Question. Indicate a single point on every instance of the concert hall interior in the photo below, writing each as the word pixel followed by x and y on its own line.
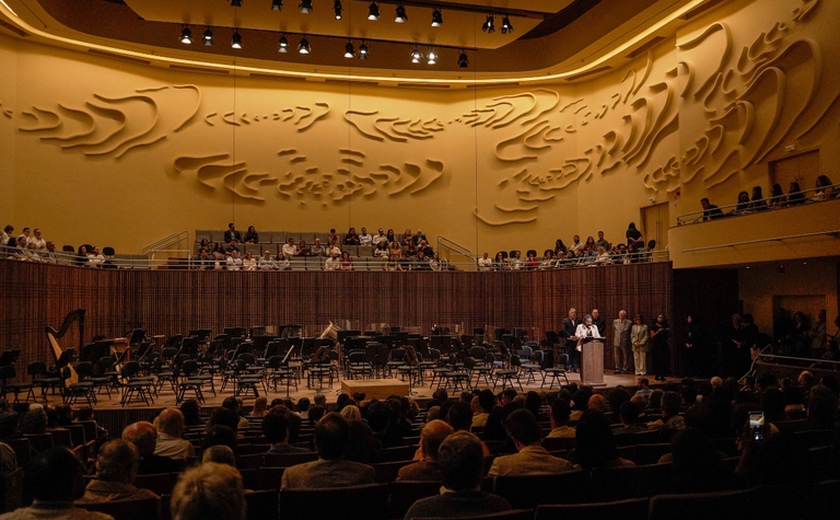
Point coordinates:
pixel 206 199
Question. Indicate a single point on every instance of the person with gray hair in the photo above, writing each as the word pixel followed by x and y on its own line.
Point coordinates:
pixel 209 492
pixel 431 437
pixel 116 470
pixel 169 442
pixel 220 455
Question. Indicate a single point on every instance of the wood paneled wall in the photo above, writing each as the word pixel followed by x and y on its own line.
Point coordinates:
pixel 171 302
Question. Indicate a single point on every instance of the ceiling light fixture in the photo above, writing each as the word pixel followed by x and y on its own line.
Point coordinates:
pixel 276 5
pixel 416 56
pixel 349 51
pixel 432 58
pixel 463 60
pixel 437 18
pixel 337 8
pixel 207 38
pixel 305 6
pixel 186 36
pixel 401 16
pixel 506 26
pixel 236 3
pixel 303 46
pixel 373 12
pixel 489 26
pixel 283 45
pixel 236 41
pixel 363 51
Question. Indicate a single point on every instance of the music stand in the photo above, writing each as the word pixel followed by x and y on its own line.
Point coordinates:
pixel 9 357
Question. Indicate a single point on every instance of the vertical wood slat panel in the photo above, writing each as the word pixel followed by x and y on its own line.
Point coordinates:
pixel 173 301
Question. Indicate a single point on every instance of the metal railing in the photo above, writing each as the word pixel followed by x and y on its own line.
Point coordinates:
pixel 809 196
pixel 145 261
pixel 164 244
pixel 450 250
pixel 762 240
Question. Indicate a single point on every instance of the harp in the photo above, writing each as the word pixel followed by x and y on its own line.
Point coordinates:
pixel 61 359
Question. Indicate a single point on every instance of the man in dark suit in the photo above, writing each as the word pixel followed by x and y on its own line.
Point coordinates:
pixel 332 438
pixel 599 322
pixel 710 211
pixel 622 343
pixel 232 234
pixel 569 326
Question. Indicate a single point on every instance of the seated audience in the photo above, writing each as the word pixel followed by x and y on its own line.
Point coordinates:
pixel 365 239
pixel 351 238
pixel 560 413
pixel 710 211
pixel 461 463
pixel 220 454
pixel 289 249
pixel 333 263
pixel 265 262
pixel 232 235
pixel 95 258
pixel 231 248
pixel 116 470
pixel 249 263
pixel 379 238
pixel 275 427
pixel 318 249
pixel 594 443
pixel 170 429
pixel 251 237
pixel 823 185
pixel 54 478
pixel 671 418
pixel 485 263
pixel 532 458
pixel 777 197
pixel 484 402
pixel 143 436
pixel 303 249
pixel 795 196
pixel 282 263
pixel 192 413
pixel 233 262
pixel 209 492
pixel 427 469
pixel 629 413
pixel 332 439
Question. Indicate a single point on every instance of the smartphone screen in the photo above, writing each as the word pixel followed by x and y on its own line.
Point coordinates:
pixel 757 426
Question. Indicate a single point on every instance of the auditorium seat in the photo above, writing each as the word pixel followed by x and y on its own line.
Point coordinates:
pixel 634 509
pixel 387 472
pixel 144 509
pixel 650 453
pixel 158 483
pixel 217 236
pixel 11 489
pixel 261 505
pixel 533 490
pixel 721 505
pixel 630 482
pixel 405 492
pixel 335 503
pixel 287 459
pixel 516 514
pixel 201 234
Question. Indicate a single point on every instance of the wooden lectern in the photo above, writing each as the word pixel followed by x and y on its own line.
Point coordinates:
pixel 592 361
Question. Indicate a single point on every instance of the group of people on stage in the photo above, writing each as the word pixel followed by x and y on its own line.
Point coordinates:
pixel 636 337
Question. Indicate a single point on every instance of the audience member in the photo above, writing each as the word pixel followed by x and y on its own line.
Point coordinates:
pixel 169 441
pixel 116 469
pixel 275 427
pixel 594 443
pixel 143 435
pixel 209 492
pixel 532 458
pixel 427 469
pixel 219 454
pixel 560 413
pixel 671 420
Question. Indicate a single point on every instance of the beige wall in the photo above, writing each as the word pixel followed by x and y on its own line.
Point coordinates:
pixel 641 133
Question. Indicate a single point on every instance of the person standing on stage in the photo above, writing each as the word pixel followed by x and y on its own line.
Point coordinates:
pixel 621 343
pixel 599 322
pixel 569 327
pixel 639 336
pixel 659 332
pixel 585 332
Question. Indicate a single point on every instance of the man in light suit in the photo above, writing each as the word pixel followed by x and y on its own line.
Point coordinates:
pixel 332 438
pixel 532 458
pixel 621 343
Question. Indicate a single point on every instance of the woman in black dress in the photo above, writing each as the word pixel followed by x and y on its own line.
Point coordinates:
pixel 634 236
pixel 659 346
pixel 696 349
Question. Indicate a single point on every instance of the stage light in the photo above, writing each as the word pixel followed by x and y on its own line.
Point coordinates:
pixel 416 56
pixel 363 51
pixel 373 12
pixel 401 16
pixel 276 5
pixel 236 41
pixel 283 45
pixel 337 9
pixel 506 26
pixel 437 18
pixel 303 46
pixel 208 38
pixel 349 51
pixel 432 58
pixel 305 6
pixel 463 60
pixel 186 36
pixel 489 26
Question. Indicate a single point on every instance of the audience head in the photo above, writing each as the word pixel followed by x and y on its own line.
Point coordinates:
pixel 598 402
pixel 671 403
pixel 320 399
pixel 523 428
pixel 224 416
pixel 219 454
pixel 332 436
pixel 560 412
pixel 486 400
pixel 220 435
pixel 191 410
pixel 432 435
pixel 351 412
pixel 629 413
pixel 461 460
pixel 303 404
pixel 171 422
pixel 316 413
pixel 142 435
pixel 117 461
pixel 209 492
pixel 696 461
pixel 275 426
pixel 459 416
pixel 594 442
pixel 55 476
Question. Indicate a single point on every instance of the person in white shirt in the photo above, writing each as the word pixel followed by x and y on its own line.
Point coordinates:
pixel 289 248
pixel 333 250
pixel 586 330
pixel 380 237
pixel 516 262
pixel 40 243
pixel 266 262
pixel 365 238
pixel 603 258
pixel 333 263
pixel 548 261
pixel 577 246
pixel 95 258
pixel 485 263
pixel 249 263
pixel 31 253
pixel 49 255
pixel 234 262
pixel 218 261
pixel 6 236
pixel 26 234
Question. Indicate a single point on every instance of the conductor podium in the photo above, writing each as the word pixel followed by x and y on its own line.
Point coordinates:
pixel 592 361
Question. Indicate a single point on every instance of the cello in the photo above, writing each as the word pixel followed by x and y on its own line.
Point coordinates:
pixel 52 335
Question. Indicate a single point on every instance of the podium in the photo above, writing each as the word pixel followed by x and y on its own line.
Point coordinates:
pixel 592 362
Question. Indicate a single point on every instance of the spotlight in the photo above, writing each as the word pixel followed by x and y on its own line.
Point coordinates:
pixel 208 37
pixel 506 26
pixel 401 17
pixel 236 41
pixel 305 6
pixel 432 58
pixel 373 12
pixel 186 36
pixel 303 46
pixel 276 5
pixel 236 3
pixel 463 60
pixel 337 8
pixel 349 51
pixel 489 26
pixel 283 45
pixel 363 52
pixel 416 56
pixel 437 18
